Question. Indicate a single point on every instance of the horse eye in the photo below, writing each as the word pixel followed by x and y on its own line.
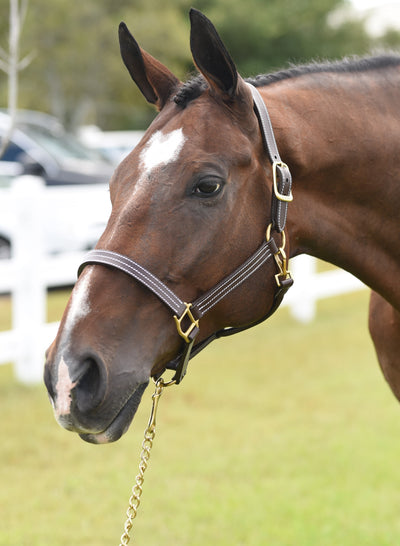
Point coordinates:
pixel 208 187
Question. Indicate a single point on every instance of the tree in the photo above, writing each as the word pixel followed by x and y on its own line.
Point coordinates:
pixel 78 74
pixel 263 36
pixel 11 64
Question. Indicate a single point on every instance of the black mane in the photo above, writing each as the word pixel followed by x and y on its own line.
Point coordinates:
pixel 190 90
pixel 195 86
pixel 346 65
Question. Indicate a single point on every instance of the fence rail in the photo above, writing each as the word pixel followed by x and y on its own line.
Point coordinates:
pixel 31 270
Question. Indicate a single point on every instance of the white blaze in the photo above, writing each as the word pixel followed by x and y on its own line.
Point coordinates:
pixel 63 388
pixel 78 309
pixel 79 305
pixel 161 150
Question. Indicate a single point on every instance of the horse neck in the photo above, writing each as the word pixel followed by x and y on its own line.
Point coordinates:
pixel 341 140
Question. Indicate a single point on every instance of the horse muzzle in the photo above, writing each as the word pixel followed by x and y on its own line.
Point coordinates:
pixel 78 394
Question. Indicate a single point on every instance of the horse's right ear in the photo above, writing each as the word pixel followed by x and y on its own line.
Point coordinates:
pixel 154 79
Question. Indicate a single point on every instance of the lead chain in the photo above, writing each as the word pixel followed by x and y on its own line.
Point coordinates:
pixel 147 444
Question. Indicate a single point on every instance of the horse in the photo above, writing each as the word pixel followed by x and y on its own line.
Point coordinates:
pixel 203 211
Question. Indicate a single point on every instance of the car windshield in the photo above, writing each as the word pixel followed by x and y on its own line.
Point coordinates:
pixel 61 145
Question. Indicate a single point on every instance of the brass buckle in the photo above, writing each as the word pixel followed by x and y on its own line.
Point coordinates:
pixel 278 195
pixel 280 259
pixel 193 323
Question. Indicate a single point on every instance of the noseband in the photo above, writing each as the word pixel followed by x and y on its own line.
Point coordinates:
pixel 188 315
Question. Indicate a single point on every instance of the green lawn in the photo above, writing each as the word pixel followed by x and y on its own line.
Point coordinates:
pixel 285 435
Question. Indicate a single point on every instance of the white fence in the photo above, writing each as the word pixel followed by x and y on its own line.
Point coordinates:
pixel 39 218
pixel 31 270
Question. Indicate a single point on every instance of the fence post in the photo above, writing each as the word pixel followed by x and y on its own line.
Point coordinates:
pixel 303 300
pixel 29 293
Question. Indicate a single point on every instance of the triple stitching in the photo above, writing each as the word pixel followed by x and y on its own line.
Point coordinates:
pixel 138 272
pixel 246 274
pixel 219 292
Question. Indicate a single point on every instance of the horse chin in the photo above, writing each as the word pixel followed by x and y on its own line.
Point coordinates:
pixel 120 423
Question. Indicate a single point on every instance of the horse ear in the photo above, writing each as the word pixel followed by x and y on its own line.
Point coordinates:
pixel 154 79
pixel 211 56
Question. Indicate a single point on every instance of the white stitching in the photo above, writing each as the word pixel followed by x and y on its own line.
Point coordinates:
pixel 222 283
pixel 202 304
pixel 138 272
pixel 144 276
pixel 236 282
pixel 231 283
pixel 229 279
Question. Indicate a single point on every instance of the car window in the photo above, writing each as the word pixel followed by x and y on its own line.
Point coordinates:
pixel 12 153
pixel 61 146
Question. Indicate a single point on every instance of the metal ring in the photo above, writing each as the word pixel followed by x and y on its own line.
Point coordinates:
pixel 282 233
pixel 161 383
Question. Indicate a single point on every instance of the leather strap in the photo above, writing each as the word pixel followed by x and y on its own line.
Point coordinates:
pixel 282 185
pixel 225 332
pixel 208 300
pixel 133 269
pixel 203 304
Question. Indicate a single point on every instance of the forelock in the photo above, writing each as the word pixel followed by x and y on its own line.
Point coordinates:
pixel 190 90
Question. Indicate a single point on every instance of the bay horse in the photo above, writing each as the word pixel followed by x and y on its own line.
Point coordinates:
pixel 190 208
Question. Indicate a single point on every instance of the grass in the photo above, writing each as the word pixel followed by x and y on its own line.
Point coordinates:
pixel 285 435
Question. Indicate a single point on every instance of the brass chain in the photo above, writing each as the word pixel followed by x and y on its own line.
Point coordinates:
pixel 147 444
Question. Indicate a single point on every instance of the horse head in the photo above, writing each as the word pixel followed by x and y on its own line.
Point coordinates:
pixel 189 204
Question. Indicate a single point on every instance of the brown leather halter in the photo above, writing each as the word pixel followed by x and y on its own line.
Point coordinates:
pixel 187 315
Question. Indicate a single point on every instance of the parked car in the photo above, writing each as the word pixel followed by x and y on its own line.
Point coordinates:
pixel 39 145
pixel 115 145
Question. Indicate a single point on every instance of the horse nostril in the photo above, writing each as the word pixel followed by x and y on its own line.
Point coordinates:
pixel 90 389
pixel 49 383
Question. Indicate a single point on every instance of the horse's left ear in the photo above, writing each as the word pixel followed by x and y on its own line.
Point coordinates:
pixel 211 56
pixel 154 79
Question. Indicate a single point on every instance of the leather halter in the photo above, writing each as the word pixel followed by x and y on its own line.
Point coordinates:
pixel 187 315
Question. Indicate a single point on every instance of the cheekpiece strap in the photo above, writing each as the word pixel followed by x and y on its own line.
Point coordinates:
pixel 282 179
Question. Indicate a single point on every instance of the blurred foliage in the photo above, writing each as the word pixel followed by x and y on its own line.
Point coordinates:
pixel 77 73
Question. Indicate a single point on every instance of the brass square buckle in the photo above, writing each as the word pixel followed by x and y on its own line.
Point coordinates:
pixel 278 195
pixel 193 323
